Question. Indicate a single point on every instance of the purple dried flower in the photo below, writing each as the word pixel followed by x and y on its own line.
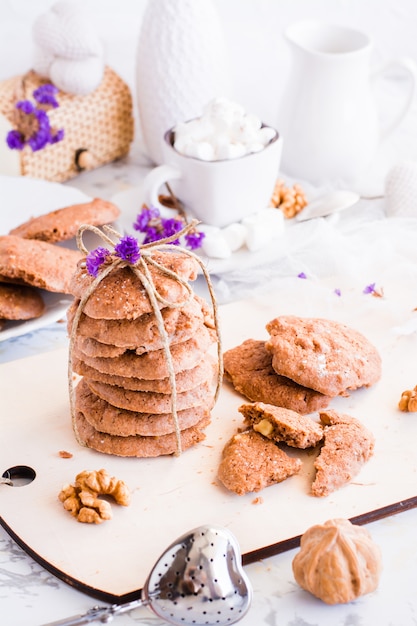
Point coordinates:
pixel 155 227
pixel 38 140
pixel 144 217
pixel 95 260
pixel 58 136
pixel 302 275
pixel 45 94
pixel 194 239
pixel 152 234
pixel 43 119
pixel 42 136
pixel 128 249
pixel 35 131
pixel 369 288
pixel 171 227
pixel 337 292
pixel 26 106
pixel 15 140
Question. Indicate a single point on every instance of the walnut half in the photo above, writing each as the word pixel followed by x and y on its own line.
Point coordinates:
pixel 408 401
pixel 83 500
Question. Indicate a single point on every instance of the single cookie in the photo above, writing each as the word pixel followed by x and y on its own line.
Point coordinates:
pixel 37 263
pixel 91 347
pixel 142 334
pixel 250 463
pixel 249 368
pixel 94 348
pixel 64 223
pixel 153 365
pixel 121 295
pixel 283 425
pixel 20 302
pixel 348 444
pixel 107 418
pixel 322 354
pixel 185 380
pixel 150 402
pixel 136 446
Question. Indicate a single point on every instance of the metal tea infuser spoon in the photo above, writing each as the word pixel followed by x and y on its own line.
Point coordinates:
pixel 198 580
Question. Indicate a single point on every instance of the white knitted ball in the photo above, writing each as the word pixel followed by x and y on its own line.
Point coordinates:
pixel 401 190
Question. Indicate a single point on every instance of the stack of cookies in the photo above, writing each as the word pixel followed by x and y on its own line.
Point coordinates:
pixel 123 404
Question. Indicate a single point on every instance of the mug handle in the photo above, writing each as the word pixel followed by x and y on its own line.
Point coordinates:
pixel 154 181
pixel 410 68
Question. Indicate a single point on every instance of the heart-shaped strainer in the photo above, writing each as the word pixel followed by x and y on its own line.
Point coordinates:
pixel 197 581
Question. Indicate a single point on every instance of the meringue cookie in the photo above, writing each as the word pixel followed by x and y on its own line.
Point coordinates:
pixel 337 561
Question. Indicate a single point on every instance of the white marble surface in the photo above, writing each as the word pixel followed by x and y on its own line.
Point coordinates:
pixel 29 595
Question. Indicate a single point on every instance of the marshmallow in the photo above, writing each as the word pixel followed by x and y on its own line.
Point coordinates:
pixel 266 134
pixel 215 246
pixel 200 150
pixel 224 131
pixel 259 235
pixel 256 147
pixel 263 227
pixel 235 235
pixel 255 231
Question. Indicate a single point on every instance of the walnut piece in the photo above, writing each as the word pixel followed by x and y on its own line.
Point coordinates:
pixel 291 200
pixel 337 562
pixel 408 401
pixel 83 500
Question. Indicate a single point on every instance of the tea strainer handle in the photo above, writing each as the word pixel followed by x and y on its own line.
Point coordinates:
pixel 103 614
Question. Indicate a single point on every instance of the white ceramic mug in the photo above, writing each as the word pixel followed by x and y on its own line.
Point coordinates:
pixel 216 192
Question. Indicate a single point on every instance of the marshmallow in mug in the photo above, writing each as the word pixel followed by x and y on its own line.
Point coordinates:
pixel 224 131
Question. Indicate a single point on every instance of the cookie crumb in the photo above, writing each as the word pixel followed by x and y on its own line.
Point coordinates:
pixel 258 500
pixel 65 455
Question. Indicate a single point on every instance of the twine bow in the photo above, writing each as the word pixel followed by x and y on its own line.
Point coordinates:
pixel 141 268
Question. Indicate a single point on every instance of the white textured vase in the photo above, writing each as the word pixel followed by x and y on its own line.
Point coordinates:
pixel 181 64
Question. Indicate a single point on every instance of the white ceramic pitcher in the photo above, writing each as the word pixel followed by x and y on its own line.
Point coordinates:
pixel 328 117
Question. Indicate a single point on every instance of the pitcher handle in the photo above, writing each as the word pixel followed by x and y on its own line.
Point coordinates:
pixel 410 68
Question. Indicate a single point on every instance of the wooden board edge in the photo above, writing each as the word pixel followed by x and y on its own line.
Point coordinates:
pixel 247 558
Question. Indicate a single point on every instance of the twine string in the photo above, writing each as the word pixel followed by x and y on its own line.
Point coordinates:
pixel 147 282
pixel 142 270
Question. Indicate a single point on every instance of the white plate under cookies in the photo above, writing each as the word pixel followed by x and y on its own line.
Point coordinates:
pixel 22 198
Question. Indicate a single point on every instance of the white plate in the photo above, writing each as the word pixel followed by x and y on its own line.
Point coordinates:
pixel 21 199
pixel 130 203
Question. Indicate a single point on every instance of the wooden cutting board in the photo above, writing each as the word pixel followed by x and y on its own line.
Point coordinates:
pixel 173 495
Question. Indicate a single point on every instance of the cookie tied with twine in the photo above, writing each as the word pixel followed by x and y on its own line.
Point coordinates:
pixel 157 274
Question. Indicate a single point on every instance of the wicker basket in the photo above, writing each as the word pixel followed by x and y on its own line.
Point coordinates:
pixel 99 124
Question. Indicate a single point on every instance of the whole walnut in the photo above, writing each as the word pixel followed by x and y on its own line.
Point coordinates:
pixel 337 562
